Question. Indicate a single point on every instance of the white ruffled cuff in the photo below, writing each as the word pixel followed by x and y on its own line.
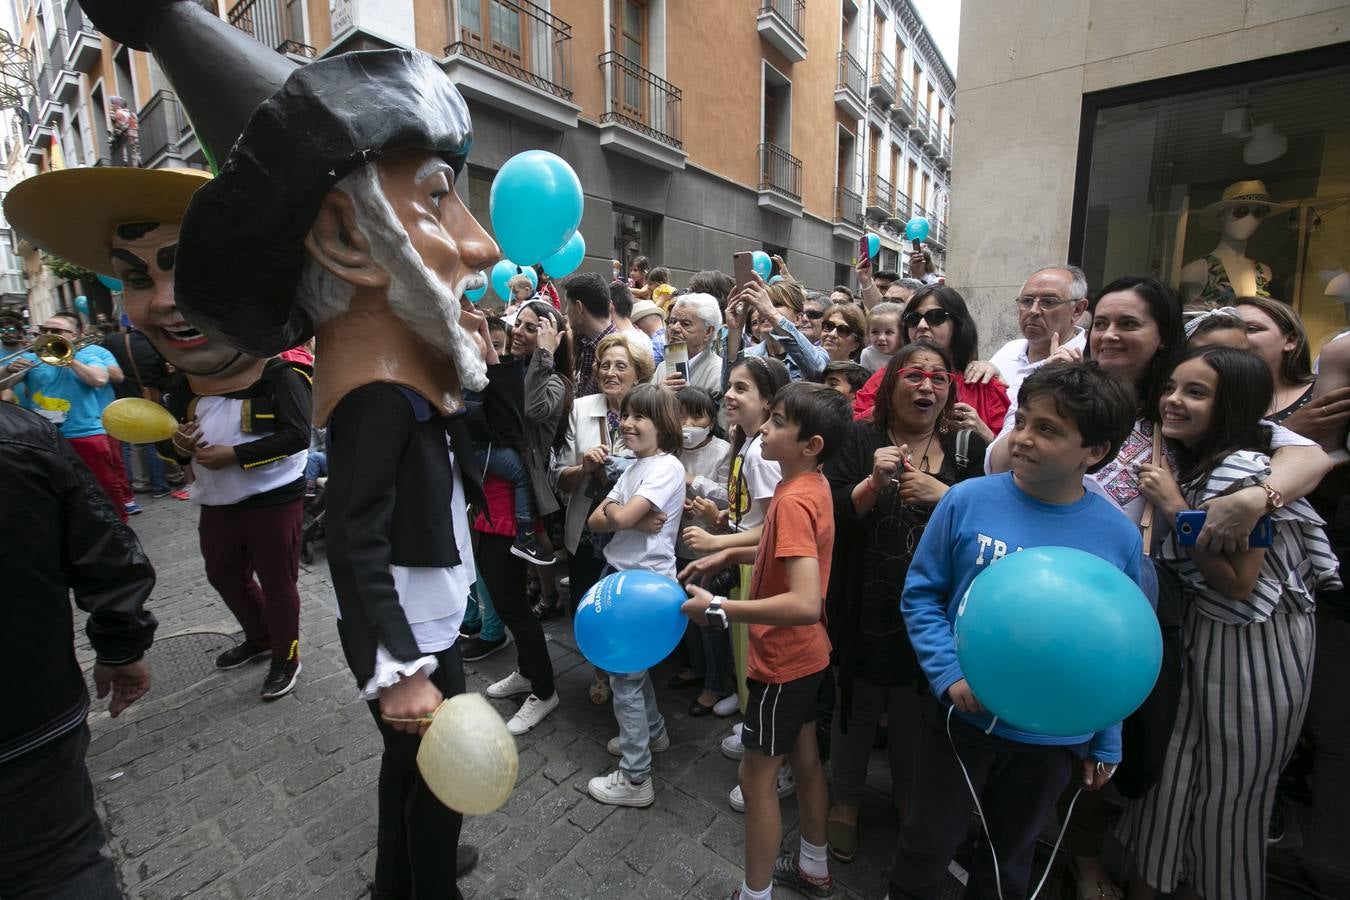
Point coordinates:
pixel 389 670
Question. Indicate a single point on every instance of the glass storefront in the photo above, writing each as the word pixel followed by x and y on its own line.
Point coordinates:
pixel 1224 191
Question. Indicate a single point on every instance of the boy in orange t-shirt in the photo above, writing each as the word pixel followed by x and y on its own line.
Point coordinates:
pixel 789 649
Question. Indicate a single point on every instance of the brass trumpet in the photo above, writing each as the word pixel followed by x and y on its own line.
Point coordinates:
pixel 53 349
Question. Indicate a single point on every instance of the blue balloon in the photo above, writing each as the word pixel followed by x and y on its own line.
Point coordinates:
pixel 535 205
pixel 775 279
pixel 916 229
pixel 1056 641
pixel 630 621
pixel 504 271
pixel 111 284
pixel 82 305
pixel 873 244
pixel 566 260
pixel 762 264
pixel 476 294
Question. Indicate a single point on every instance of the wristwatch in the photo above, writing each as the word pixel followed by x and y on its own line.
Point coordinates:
pixel 1274 499
pixel 716 615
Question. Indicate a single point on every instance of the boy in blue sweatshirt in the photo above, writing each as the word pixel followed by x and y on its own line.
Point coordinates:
pixel 1071 420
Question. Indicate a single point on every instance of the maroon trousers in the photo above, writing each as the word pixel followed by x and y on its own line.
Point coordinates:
pixel 104 458
pixel 239 542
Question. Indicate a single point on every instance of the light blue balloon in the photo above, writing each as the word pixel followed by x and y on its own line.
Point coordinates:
pixel 630 621
pixel 916 229
pixel 775 279
pixel 110 283
pixel 566 260
pixel 761 263
pixel 1056 641
pixel 82 305
pixel 504 271
pixel 873 244
pixel 476 294
pixel 535 205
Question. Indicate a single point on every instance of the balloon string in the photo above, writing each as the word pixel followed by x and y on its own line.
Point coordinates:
pixel 979 810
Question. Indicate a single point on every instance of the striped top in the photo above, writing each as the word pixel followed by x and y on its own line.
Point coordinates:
pixel 1298 563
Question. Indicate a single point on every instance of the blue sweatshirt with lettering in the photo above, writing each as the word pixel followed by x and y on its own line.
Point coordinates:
pixel 977 523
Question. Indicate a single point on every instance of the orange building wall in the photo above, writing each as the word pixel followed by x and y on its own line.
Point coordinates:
pixel 589 40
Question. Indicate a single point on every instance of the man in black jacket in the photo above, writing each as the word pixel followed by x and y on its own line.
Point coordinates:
pixel 67 538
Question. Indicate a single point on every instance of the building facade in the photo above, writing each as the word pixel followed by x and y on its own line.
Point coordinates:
pixel 1109 135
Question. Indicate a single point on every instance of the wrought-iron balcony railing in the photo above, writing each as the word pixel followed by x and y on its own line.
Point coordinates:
pixel 792 12
pixel 851 75
pixel 883 73
pixel 880 194
pixel 275 23
pixel 640 100
pixel 161 123
pixel 903 205
pixel 519 39
pixel 848 207
pixel 779 171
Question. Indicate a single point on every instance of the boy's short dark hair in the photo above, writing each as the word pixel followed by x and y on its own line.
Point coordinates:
pixel 659 275
pixel 621 298
pixel 816 410
pixel 497 323
pixel 590 290
pixel 710 281
pixel 886 275
pixel 1101 405
pixel 855 374
pixel 657 404
pixel 695 401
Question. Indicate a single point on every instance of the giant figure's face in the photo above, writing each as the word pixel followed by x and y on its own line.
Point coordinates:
pixel 143 258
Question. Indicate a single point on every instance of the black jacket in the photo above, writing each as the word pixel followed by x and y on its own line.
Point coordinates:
pixel 144 359
pixel 62 535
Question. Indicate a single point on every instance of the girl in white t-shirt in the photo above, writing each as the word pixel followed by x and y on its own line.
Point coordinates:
pixel 642 511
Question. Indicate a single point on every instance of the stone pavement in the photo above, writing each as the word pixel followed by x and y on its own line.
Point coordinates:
pixel 205 791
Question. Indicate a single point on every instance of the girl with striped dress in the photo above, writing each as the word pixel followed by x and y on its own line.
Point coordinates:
pixel 1200 832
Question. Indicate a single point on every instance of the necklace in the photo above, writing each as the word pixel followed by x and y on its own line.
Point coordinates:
pixel 923 460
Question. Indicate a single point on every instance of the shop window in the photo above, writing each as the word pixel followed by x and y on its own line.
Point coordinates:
pixel 634 235
pixel 1241 186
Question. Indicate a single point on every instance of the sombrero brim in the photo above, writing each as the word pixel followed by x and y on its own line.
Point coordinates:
pixel 71 213
pixel 1213 210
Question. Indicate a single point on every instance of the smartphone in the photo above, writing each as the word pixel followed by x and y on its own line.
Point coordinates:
pixel 743 268
pixel 1191 521
pixel 863 248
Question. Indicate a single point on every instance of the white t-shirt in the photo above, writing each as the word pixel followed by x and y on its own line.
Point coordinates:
pixel 659 480
pixel 219 418
pixel 752 483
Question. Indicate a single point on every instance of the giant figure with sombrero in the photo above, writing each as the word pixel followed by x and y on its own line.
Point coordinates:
pixel 245 419
pixel 334 213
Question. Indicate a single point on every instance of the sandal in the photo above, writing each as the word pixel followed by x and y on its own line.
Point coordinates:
pixel 842 839
pixel 599 692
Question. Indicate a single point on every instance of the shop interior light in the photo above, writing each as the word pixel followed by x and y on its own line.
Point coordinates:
pixel 1264 145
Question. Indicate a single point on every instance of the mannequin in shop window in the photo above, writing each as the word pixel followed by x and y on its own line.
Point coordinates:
pixel 1226 272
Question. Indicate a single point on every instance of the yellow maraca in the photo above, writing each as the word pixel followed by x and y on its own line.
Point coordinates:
pixel 138 421
pixel 467 756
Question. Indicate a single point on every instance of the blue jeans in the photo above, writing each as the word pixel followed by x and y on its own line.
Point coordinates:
pixel 640 722
pixel 316 465
pixel 481 613
pixel 154 466
pixel 505 462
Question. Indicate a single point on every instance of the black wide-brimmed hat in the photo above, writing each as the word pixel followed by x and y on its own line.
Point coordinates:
pixel 282 135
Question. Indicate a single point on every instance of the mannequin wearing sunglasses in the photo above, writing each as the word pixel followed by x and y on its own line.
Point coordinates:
pixel 1226 272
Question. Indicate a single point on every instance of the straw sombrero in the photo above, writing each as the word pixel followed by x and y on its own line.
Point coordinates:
pixel 1243 193
pixel 72 212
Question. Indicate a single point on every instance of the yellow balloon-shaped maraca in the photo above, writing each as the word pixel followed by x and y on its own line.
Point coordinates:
pixel 138 421
pixel 467 757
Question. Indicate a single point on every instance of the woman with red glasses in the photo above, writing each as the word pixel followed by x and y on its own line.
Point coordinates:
pixel 885 481
pixel 938 313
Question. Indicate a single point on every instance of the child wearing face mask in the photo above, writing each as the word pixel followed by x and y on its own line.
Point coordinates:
pixel 707 463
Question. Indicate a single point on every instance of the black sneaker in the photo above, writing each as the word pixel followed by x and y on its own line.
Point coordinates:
pixel 476 648
pixel 241 653
pixel 466 858
pixel 280 678
pixel 527 548
pixel 160 493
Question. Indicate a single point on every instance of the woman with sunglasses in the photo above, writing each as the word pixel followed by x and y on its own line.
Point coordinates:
pixel 885 481
pixel 842 332
pixel 939 314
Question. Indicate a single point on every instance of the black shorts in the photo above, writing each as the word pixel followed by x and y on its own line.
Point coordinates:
pixel 775 713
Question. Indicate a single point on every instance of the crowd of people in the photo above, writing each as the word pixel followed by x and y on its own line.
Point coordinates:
pixel 826 472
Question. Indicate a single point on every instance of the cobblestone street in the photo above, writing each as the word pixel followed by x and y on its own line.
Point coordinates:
pixel 206 791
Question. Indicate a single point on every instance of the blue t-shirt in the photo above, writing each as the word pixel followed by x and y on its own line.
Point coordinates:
pixel 58 394
pixel 977 523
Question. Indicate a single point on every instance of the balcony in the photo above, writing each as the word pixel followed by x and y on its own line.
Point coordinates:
pixel 520 63
pixel 944 156
pixel 780 23
pixel 937 233
pixel 39 142
pixel 66 86
pixel 642 114
pixel 903 205
pixel 880 198
pixel 780 181
pixel 278 24
pixel 83 44
pixel 850 86
pixel 848 214
pixel 161 127
pixel 882 87
pixel 903 111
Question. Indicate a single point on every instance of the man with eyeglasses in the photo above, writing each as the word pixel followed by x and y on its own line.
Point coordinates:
pixel 1049 303
pixel 693 320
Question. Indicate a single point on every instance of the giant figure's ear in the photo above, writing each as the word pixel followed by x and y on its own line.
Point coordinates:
pixel 336 242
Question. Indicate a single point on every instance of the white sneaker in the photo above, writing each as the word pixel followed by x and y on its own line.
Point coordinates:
pixel 616 790
pixel 512 685
pixel 656 745
pixel 732 748
pixel 531 713
pixel 727 706
pixel 785 788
